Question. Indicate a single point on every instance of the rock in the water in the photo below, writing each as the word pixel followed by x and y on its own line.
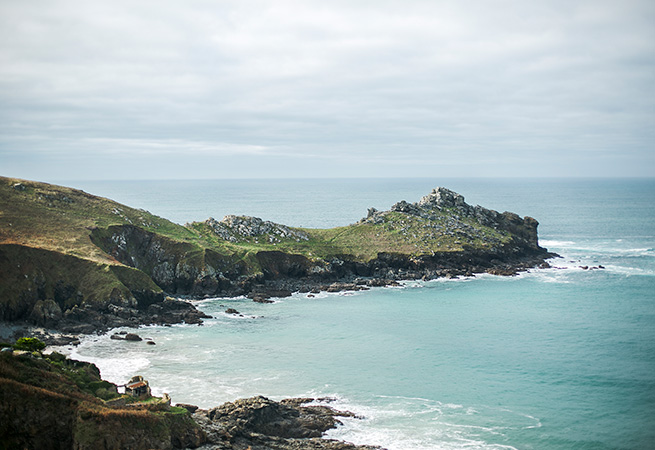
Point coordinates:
pixel 132 337
pixel 231 311
pixel 260 423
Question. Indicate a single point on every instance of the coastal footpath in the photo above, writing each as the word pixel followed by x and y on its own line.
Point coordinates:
pixel 77 263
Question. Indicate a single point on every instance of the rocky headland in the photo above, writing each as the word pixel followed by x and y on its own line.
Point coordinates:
pixel 77 263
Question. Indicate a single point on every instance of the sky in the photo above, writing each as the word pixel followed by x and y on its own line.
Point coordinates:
pixel 215 89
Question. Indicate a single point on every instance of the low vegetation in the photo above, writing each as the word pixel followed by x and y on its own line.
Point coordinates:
pixel 52 402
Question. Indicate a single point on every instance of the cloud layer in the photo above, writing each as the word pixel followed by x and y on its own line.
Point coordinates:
pixel 162 89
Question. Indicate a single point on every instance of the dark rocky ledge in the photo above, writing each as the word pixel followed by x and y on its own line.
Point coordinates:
pixel 258 423
pixel 65 329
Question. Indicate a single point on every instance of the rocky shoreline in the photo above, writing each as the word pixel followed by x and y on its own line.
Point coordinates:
pixel 55 328
pixel 259 423
pixel 127 268
pixel 89 320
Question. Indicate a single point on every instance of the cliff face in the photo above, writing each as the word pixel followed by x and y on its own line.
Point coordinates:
pixel 68 258
pixel 175 266
pixel 52 404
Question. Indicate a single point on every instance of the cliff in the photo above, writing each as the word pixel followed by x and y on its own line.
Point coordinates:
pixel 77 262
pixel 57 403
pixel 54 403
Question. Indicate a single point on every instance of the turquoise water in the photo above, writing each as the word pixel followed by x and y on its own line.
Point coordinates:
pixel 560 358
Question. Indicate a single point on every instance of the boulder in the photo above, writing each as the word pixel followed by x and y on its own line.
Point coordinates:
pixel 133 337
pixel 46 313
pixel 260 423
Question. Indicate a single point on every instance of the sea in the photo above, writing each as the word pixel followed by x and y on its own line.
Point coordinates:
pixel 555 359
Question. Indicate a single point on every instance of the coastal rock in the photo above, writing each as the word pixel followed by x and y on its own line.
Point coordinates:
pixel 442 198
pixel 261 423
pixel 245 228
pixel 133 337
pixel 46 313
pixel 232 311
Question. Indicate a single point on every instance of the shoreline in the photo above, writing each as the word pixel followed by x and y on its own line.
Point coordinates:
pixel 183 310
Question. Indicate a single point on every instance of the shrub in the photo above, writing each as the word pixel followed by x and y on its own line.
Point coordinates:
pixel 29 344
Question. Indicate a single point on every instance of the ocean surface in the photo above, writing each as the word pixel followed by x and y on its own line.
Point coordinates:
pixel 560 358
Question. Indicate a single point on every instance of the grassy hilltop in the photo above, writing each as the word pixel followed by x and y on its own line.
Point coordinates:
pixel 66 248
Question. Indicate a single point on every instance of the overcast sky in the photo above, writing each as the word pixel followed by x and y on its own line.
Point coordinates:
pixel 238 89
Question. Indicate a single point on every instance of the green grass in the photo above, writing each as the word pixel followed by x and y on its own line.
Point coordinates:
pixel 61 219
pixel 399 233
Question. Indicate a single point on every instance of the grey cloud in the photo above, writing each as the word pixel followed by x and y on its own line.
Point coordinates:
pixel 520 87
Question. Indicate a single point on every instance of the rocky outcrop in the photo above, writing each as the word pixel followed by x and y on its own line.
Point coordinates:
pixel 179 268
pixel 245 228
pixel 523 230
pixel 259 423
pixel 510 244
pixel 73 295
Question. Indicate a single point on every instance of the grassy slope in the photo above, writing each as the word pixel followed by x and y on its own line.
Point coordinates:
pixel 60 219
pixel 399 233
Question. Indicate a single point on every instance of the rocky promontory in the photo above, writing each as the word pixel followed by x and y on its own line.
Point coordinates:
pixel 259 423
pixel 78 263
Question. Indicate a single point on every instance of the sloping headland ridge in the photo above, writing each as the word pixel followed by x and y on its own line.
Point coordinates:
pixel 81 263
